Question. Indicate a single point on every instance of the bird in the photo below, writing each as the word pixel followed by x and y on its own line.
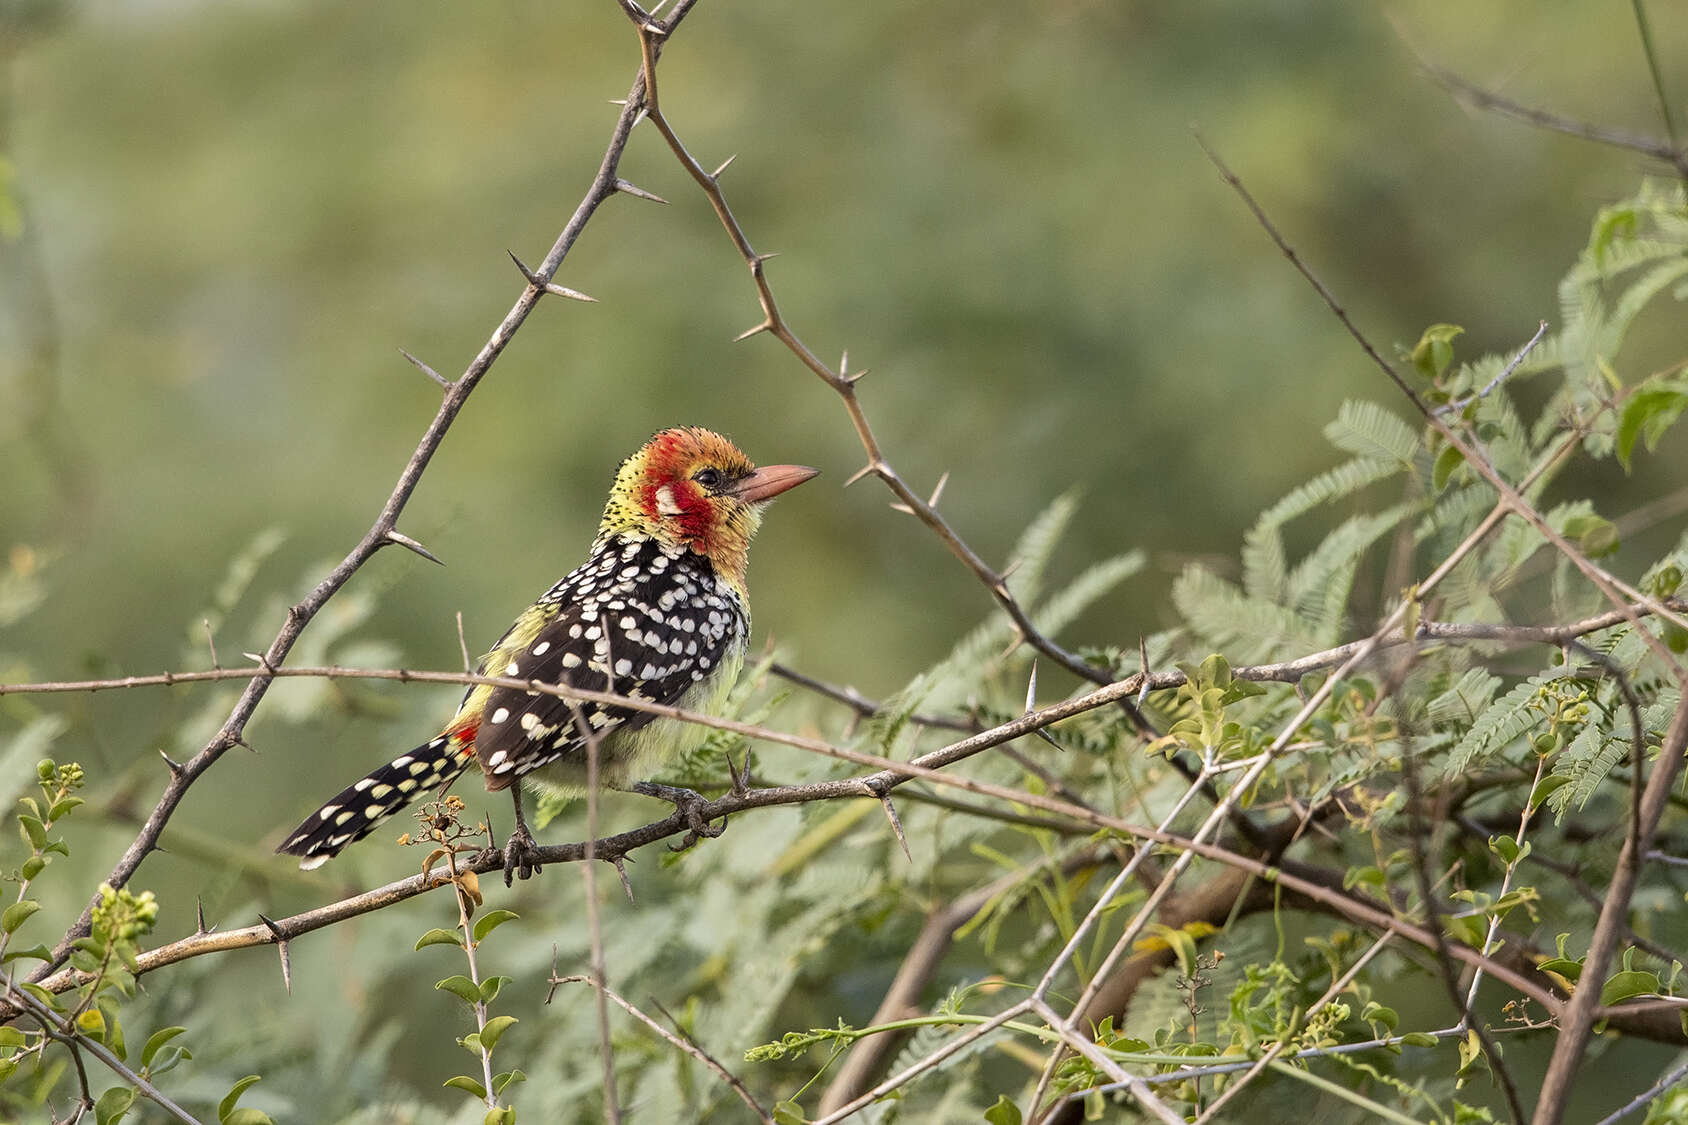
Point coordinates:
pixel 658 612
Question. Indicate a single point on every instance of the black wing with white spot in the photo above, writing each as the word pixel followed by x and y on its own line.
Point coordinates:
pixel 637 619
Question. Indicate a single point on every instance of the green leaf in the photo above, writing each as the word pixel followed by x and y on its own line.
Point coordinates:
pixel 1442 471
pixel 1369 430
pixel 33 866
pixel 167 1060
pixel 500 1115
pixel 156 1040
pixel 226 1106
pixel 461 987
pixel 1627 983
pixel 490 988
pixel 1649 412
pixel 1434 351
pixel 789 1113
pixel 1419 1039
pixel 502 1080
pixel 438 936
pixel 248 1116
pixel 467 1085
pixel 495 1029
pixel 1596 535
pixel 1004 1112
pixel 490 921
pixel 37 952
pixel 12 1037
pixel 1377 1013
pixel 34 832
pixel 1545 787
pixel 62 807
pixel 17 914
pixel 113 1104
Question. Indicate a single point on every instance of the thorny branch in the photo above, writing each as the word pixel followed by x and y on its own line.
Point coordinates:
pixel 384 531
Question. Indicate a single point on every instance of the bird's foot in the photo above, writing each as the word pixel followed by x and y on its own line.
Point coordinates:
pixel 521 855
pixel 689 804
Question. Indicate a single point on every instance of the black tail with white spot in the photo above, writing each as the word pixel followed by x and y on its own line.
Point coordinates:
pixel 359 808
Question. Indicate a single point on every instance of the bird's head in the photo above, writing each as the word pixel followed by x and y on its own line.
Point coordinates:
pixel 691 487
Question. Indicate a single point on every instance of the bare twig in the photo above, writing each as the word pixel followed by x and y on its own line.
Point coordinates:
pixel 1480 98
pixel 683 1043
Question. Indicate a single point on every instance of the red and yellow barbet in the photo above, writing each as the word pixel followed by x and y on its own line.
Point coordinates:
pixel 658 612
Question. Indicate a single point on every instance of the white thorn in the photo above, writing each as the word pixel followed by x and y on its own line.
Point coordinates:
pixel 939 490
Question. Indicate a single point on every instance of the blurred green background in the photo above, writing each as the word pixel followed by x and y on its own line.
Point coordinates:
pixel 242 211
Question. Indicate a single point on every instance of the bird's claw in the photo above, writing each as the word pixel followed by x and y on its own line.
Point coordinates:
pixel 521 856
pixel 689 804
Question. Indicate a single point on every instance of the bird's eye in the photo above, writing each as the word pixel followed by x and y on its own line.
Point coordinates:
pixel 709 478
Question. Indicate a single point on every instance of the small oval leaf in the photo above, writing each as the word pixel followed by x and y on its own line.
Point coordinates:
pixel 495 1029
pixel 461 987
pixel 17 914
pixel 467 1085
pixel 438 936
pixel 490 921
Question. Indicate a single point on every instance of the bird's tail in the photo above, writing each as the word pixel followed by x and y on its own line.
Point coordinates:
pixel 357 809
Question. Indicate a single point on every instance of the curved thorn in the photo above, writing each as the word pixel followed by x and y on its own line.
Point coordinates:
pixel 636 191
pixel 426 370
pixel 756 260
pixel 1031 690
pixel 407 542
pixel 747 334
pixel 899 506
pixel 855 377
pixel 274 929
pixel 725 164
pixel 286 967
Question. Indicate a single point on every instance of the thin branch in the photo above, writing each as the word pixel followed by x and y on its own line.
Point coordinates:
pixel 1618 592
pixel 298 616
pixel 774 323
pixel 1579 1017
pixel 1479 98
pixel 685 1043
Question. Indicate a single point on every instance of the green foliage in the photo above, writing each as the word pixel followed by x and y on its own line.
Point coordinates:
pixel 797 915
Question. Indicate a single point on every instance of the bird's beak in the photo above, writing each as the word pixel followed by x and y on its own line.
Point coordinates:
pixel 769 481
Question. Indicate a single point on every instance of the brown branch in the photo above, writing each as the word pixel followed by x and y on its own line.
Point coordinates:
pixel 604 184
pixel 683 1042
pixel 1581 1012
pixel 1479 98
pixel 919 965
pixel 842 381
